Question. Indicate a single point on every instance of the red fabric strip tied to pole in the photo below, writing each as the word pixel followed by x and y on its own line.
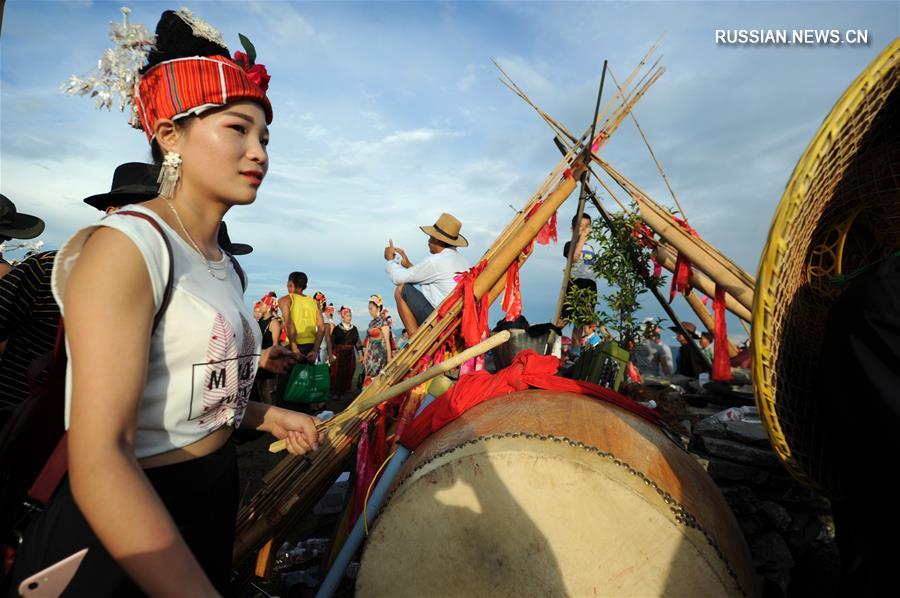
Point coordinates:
pixel 681 278
pixel 474 310
pixel 512 294
pixel 528 370
pixel 721 369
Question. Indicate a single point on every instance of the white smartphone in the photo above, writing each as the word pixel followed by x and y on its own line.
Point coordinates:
pixel 51 582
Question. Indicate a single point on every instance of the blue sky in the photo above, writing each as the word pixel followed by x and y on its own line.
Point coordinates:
pixel 387 114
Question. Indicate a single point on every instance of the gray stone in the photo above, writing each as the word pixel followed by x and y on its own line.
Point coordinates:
pixel 750 525
pixel 701 412
pixel 742 453
pixel 711 427
pixel 725 470
pixel 777 515
pixel 741 499
pixel 802 496
pixel 740 376
pixel 748 433
pixel 770 552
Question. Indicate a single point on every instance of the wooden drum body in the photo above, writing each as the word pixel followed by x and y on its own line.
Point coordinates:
pixel 543 493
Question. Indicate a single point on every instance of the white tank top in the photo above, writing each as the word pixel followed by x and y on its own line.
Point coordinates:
pixel 204 353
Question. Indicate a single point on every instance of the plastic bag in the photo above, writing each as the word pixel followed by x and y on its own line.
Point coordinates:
pixel 308 383
pixel 748 415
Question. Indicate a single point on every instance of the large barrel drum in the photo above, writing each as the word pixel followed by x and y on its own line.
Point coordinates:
pixel 542 493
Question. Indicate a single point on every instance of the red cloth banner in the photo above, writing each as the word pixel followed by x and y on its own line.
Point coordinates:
pixel 528 370
pixel 721 369
pixel 512 294
pixel 681 279
pixel 474 311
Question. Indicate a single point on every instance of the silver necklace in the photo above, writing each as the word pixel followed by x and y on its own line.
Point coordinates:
pixel 194 244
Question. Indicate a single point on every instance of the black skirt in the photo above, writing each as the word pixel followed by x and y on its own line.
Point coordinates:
pixel 201 496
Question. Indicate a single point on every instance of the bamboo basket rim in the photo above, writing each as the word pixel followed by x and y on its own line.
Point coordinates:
pixel 796 197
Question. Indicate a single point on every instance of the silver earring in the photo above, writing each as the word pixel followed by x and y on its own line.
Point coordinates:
pixel 169 174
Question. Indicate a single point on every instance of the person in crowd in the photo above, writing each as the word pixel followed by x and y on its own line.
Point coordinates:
pixel 29 316
pixel 302 318
pixel 15 225
pixel 421 287
pixel 651 356
pixel 377 347
pixel 665 361
pixel 152 485
pixel 270 326
pixel 582 274
pixel 390 324
pixel 690 363
pixel 591 335
pixel 706 344
pixel 327 311
pixel 132 182
pixel 404 338
pixel 344 345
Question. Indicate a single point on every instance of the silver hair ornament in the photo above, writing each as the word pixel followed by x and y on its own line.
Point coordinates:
pixel 117 71
pixel 201 28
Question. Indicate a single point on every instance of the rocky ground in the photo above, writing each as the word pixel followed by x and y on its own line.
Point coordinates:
pixel 787 526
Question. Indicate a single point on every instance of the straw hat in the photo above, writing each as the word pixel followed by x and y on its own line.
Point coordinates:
pixel 446 229
pixel 839 212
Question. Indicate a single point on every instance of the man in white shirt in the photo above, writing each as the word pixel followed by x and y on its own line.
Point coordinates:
pixel 422 287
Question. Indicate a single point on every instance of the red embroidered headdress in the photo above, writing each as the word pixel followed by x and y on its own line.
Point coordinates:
pixel 188 70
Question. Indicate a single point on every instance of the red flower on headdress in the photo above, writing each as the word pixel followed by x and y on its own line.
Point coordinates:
pixel 255 72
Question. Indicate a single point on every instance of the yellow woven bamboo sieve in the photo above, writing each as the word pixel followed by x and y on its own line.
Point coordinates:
pixel 840 210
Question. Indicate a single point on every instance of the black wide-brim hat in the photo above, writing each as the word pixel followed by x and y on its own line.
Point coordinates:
pixel 232 248
pixel 133 182
pixel 15 225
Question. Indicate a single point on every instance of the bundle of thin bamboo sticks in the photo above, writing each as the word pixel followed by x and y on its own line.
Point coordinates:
pixel 293 486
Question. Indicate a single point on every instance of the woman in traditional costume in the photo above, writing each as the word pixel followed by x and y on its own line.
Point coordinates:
pixel 376 348
pixel 345 340
pixel 152 483
pixel 327 319
pixel 270 327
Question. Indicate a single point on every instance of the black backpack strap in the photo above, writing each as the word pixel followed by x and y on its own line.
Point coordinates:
pixel 167 294
pixel 238 269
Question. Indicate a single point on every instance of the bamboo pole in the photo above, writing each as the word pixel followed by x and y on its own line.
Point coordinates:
pixel 659 167
pixel 359 408
pixel 576 227
pixel 666 257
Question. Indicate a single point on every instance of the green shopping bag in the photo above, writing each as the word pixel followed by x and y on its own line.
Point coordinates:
pixel 308 383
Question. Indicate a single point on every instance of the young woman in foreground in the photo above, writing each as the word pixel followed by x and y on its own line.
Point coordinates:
pixel 152 484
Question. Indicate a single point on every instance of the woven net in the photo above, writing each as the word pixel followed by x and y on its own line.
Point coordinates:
pixel 840 212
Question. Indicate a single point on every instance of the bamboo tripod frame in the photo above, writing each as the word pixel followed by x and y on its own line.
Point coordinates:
pixel 295 483
pixel 711 266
